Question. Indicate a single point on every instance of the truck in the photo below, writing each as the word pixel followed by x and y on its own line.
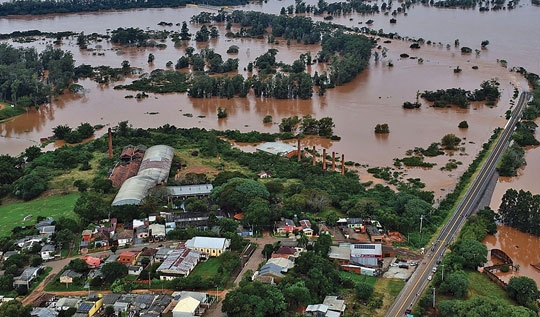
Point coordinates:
pixel 368 271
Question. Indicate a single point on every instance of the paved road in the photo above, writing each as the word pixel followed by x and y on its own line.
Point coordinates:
pixel 417 283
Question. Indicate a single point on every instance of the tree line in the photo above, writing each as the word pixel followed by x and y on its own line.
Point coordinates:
pixel 521 210
pixel 22 74
pixel 489 91
pixel 35 7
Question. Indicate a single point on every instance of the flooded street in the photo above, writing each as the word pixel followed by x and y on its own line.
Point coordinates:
pixel 375 96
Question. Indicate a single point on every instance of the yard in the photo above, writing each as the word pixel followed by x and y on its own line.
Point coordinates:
pixel 13 214
pixel 208 269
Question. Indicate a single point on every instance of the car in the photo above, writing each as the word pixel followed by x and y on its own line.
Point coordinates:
pixel 407 311
pixel 434 270
pixel 429 278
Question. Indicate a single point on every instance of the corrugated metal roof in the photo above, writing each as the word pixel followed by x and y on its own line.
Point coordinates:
pixel 190 190
pixel 276 148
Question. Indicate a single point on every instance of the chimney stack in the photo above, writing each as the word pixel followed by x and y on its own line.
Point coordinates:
pixel 324 159
pixel 342 164
pixel 333 161
pixel 314 156
pixel 110 144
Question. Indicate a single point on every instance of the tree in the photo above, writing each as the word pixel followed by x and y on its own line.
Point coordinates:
pixel 63 238
pixel 109 311
pixel 473 253
pixel 78 265
pixel 91 206
pixel 455 284
pixel 61 131
pixel 32 153
pixel 114 248
pixel 15 308
pixel 113 270
pixel 268 250
pixel 296 295
pixel 322 246
pixel 151 58
pixel 29 186
pixel 85 130
pixel 450 141
pixel 485 43
pixel 524 290
pixel 184 32
pixel 6 282
pixel 227 225
pixel 254 299
pixel 463 125
pixel 363 290
pixel 382 128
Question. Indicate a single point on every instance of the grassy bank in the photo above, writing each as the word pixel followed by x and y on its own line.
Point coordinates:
pixel 12 215
pixel 6 111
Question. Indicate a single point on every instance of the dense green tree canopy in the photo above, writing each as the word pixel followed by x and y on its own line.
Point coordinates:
pixel 254 299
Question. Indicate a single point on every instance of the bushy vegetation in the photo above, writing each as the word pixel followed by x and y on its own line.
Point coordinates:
pixel 489 91
pixel 521 210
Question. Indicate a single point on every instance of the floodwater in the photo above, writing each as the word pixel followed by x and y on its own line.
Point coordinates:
pixel 522 248
pixel 375 96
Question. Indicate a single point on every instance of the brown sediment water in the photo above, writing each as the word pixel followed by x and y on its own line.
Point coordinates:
pixel 521 247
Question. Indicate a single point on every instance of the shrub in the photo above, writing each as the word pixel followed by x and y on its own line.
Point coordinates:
pixel 463 125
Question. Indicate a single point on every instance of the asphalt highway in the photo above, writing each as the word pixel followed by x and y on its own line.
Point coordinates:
pixel 418 281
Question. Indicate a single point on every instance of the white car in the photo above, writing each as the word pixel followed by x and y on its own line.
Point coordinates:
pixel 434 270
pixel 429 278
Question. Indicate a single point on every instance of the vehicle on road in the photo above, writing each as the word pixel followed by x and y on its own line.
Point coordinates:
pixel 429 278
pixel 434 270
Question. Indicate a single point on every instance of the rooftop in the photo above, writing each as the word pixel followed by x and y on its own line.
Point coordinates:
pixel 276 148
pixel 208 243
pixel 190 190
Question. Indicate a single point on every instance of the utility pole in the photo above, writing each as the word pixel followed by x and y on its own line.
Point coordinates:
pixel 421 219
pixel 442 272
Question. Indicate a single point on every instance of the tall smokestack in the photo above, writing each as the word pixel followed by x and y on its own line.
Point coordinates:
pixel 110 144
pixel 324 159
pixel 314 157
pixel 342 164
pixel 333 161
pixel 299 148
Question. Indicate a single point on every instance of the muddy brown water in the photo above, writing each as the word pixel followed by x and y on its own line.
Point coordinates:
pixel 375 96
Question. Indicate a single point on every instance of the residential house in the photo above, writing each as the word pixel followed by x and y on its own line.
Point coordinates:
pixel 68 276
pixel 265 174
pixel 47 252
pixel 90 307
pixel 179 263
pixel 101 239
pixel 159 306
pixel 148 253
pixel 273 270
pixel 46 231
pixel 157 231
pixel 285 264
pixel 135 270
pixel 209 245
pixel 306 228
pixel 9 253
pixel 183 192
pixel 323 229
pixel 335 304
pixel 91 261
pixel 284 252
pixel 86 235
pixel 112 258
pixel 285 226
pixel 43 312
pixel 128 257
pixel 170 226
pixel 142 232
pixel 124 302
pixel 27 276
pixel 124 237
pixel 142 301
pixel 110 299
pixel 65 303
pixel 43 223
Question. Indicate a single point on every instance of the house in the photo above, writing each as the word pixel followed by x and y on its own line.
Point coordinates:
pixel 47 252
pixel 124 302
pixel 162 254
pixel 285 264
pixel 265 174
pixel 179 263
pixel 306 228
pixel 91 261
pixel 148 253
pixel 323 229
pixel 43 312
pixel 284 252
pixel 101 239
pixel 43 223
pixel 128 257
pixel 68 276
pixel 341 254
pixel 285 226
pixel 187 306
pixel 335 304
pixel 9 253
pixel 27 276
pixel 112 258
pixel 160 304
pixel 273 270
pixel 157 231
pixel 44 300
pixel 135 270
pixel 86 235
pixel 142 232
pixel 183 192
pixel 90 307
pixel 66 303
pixel 124 237
pixel 209 245
pixel 318 310
pixel 46 231
pixel 110 299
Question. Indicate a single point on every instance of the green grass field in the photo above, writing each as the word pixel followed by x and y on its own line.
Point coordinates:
pixel 12 215
pixel 357 278
pixel 481 285
pixel 207 269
